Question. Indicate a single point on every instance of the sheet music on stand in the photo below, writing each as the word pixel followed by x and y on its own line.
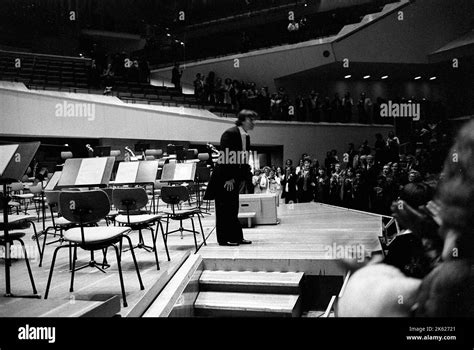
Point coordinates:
pixel 51 185
pixel 91 171
pixel 141 172
pixel 6 154
pixel 126 172
pixel 178 172
pixel 86 172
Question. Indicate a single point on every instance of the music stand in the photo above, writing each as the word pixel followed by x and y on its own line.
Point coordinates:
pixel 86 172
pixel 50 186
pixel 14 160
pixel 203 174
pixel 138 173
pixel 178 172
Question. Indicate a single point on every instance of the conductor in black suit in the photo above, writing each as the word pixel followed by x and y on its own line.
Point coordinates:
pixel 230 174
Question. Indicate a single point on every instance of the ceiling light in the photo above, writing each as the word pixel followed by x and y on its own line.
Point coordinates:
pixel 348 76
pixel 367 77
pixel 433 78
pixel 384 77
pixel 417 78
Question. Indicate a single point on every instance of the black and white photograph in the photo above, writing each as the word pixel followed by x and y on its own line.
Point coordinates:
pixel 177 171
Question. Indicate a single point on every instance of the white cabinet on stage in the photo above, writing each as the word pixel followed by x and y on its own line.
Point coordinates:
pixel 263 205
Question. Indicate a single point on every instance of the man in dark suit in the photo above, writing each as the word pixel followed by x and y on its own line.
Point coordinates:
pixel 231 172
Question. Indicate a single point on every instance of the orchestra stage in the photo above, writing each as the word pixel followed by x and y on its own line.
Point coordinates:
pixel 310 238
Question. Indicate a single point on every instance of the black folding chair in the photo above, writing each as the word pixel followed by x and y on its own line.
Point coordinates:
pixel 130 201
pixel 84 208
pixel 174 195
pixel 12 237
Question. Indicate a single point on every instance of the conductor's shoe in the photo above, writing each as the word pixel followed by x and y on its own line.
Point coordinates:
pixel 244 241
pixel 232 244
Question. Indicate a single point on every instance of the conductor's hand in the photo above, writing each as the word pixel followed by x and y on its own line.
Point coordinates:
pixel 229 185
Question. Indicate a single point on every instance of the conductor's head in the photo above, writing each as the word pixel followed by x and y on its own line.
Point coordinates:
pixel 245 119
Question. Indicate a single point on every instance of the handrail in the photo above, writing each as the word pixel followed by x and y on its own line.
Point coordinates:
pixel 334 299
pixel 330 307
pixel 344 285
pixel 46 55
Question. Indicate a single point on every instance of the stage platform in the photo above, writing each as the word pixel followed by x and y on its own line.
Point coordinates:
pixel 92 288
pixel 310 238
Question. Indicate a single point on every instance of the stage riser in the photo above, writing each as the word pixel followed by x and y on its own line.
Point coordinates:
pixel 309 267
pixel 229 313
pixel 250 289
pixel 226 304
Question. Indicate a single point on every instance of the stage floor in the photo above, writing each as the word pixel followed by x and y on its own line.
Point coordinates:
pixel 310 238
pixel 90 283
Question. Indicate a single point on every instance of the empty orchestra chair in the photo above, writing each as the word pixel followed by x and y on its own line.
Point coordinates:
pixel 85 208
pixel 174 196
pixel 130 201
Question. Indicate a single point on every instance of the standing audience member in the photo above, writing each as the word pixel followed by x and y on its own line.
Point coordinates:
pixel 288 183
pixel 176 74
pixel 306 183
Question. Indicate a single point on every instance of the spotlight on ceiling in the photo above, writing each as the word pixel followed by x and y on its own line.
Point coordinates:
pixel 348 76
pixel 384 77
pixel 366 76
pixel 433 78
pixel 417 78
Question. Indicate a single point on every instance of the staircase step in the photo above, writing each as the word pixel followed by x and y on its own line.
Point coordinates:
pixel 253 282
pixel 224 304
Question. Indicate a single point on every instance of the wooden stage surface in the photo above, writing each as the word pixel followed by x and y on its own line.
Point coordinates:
pixel 90 283
pixel 308 238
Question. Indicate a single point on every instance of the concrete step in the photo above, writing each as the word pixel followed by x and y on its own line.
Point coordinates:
pixel 251 282
pixel 225 304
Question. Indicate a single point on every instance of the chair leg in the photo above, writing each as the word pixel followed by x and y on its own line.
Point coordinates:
pixel 165 240
pixel 202 230
pixel 194 234
pixel 45 234
pixel 37 242
pixel 167 224
pixel 28 266
pixel 104 261
pixel 121 277
pixel 71 287
pixel 153 237
pixel 51 269
pixel 135 263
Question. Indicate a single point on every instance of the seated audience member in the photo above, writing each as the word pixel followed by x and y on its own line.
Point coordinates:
pixel 449 289
pixel 378 290
pixel 416 250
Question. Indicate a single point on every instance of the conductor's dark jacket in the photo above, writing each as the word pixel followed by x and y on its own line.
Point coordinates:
pixel 231 140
